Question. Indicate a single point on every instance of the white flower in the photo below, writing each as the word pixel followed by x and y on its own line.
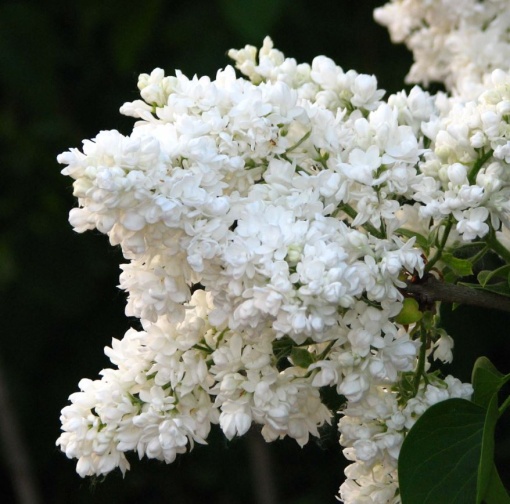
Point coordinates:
pixel 365 92
pixel 235 418
pixel 472 223
pixel 353 386
pixel 362 165
pixel 365 450
pixel 443 348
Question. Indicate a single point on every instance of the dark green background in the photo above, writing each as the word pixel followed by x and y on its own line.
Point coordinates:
pixel 66 67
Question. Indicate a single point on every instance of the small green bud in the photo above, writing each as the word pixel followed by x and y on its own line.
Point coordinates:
pixel 294 254
pixel 410 312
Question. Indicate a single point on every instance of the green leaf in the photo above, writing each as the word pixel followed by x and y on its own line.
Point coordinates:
pixel 450 277
pixel 461 267
pixel 485 467
pixel 482 277
pixel 487 381
pixel 301 357
pixel 439 459
pixel 496 492
pixel 485 276
pixel 502 288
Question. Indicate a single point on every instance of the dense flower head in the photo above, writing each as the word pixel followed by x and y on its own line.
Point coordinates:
pixel 372 432
pixel 454 42
pixel 270 226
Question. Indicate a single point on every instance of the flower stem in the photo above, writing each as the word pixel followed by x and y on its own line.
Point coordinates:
pixel 422 357
pixel 299 142
pixel 203 348
pixel 345 207
pixel 497 246
pixel 439 251
pixel 504 406
pixel 474 259
pixel 325 352
pixel 478 165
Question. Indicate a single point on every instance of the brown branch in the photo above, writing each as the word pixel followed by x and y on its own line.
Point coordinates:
pixel 428 290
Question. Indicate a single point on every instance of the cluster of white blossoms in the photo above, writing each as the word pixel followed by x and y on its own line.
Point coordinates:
pixel 466 175
pixel 372 431
pixel 270 226
pixel 456 42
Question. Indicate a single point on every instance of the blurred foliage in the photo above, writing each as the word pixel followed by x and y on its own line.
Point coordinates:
pixel 66 69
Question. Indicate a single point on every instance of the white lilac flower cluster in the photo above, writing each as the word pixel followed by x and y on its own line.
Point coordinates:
pixel 372 431
pixel 466 173
pixel 453 42
pixel 267 227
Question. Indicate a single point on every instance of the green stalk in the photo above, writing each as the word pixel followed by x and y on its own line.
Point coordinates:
pixel 299 142
pixel 203 348
pixel 504 406
pixel 422 357
pixel 497 246
pixel 345 207
pixel 479 255
pixel 325 352
pixel 478 165
pixel 440 249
